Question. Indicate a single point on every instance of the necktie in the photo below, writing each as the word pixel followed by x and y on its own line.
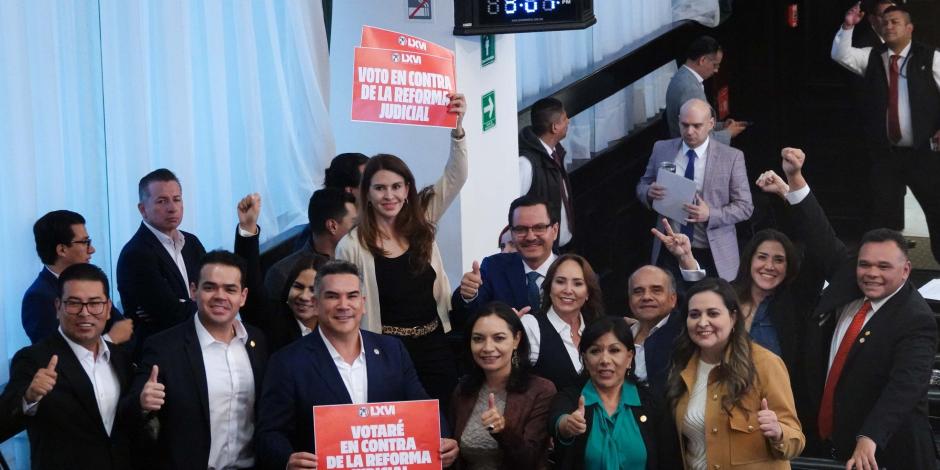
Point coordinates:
pixel 558 155
pixel 825 408
pixel 689 229
pixel 532 289
pixel 894 124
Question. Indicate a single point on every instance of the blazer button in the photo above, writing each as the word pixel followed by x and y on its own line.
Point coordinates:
pixel 714 430
pixel 715 396
pixel 750 428
pixel 717 467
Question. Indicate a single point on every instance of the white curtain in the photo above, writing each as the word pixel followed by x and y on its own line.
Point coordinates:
pixel 230 95
pixel 549 61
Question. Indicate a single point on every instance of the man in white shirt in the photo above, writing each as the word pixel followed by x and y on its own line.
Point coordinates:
pixel 514 278
pixel 158 263
pixel 336 364
pixel 65 389
pixel 200 379
pixel 542 171
pixel 901 118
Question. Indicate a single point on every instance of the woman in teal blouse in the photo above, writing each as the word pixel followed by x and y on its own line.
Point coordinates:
pixel 610 423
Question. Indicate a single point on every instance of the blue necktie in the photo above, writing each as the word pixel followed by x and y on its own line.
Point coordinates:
pixel 532 289
pixel 689 229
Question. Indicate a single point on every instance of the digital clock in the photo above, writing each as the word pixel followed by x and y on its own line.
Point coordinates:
pixel 521 16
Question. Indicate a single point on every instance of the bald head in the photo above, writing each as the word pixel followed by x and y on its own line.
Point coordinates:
pixel 695 122
pixel 652 293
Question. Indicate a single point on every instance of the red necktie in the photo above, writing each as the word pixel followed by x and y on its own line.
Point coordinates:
pixel 825 408
pixel 894 124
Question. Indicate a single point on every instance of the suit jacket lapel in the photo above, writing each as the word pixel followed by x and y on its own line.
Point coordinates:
pixel 72 372
pixel 325 366
pixel 164 256
pixel 197 366
pixel 711 165
pixel 879 322
pixel 517 281
pixel 255 365
pixel 374 367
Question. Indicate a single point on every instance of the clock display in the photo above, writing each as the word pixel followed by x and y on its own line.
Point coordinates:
pixel 520 16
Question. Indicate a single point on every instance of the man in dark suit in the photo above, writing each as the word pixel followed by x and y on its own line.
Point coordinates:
pixel 870 343
pixel 901 117
pixel 336 364
pixel 652 295
pixel 64 390
pixel 514 278
pixel 61 241
pixel 200 379
pixel 702 60
pixel 157 265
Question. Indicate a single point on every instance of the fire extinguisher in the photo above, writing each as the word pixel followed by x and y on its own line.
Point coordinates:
pixel 793 15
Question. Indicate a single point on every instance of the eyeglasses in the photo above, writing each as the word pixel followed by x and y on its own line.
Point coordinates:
pixel 523 230
pixel 94 308
pixel 86 242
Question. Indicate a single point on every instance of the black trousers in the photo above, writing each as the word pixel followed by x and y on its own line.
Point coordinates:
pixel 896 167
pixel 435 364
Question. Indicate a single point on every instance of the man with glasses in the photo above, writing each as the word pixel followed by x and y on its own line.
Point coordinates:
pixel 61 241
pixel 64 390
pixel 901 118
pixel 514 278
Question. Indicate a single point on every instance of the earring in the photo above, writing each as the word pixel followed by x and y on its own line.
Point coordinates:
pixel 515 359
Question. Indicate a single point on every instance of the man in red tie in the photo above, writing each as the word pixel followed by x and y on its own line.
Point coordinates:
pixel 870 343
pixel 901 116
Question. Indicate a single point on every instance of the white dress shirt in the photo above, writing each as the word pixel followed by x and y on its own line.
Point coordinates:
pixel 639 357
pixel 856 60
pixel 231 385
pixel 699 238
pixel 525 183
pixel 845 320
pixel 304 331
pixel 354 375
pixel 173 246
pixel 531 325
pixel 103 379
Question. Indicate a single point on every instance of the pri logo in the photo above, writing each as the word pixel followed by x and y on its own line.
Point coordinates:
pixel 363 412
pixel 396 57
pixel 402 40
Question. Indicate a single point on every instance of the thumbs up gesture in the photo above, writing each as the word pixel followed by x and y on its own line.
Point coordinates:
pixel 768 422
pixel 42 382
pixel 492 420
pixel 471 282
pixel 151 397
pixel 573 424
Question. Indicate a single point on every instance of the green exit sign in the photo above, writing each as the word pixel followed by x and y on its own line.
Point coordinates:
pixel 488 106
pixel 487 49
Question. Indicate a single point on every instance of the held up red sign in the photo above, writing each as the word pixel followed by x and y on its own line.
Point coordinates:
pixel 385 39
pixel 398 84
pixel 378 436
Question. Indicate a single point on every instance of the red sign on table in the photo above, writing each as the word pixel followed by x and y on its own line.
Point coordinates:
pixel 384 39
pixel 378 435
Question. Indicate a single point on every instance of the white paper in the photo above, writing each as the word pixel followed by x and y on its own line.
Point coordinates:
pixel 931 290
pixel 679 192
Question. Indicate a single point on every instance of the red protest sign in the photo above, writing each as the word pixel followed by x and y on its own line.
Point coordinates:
pixel 402 87
pixel 384 39
pixel 378 435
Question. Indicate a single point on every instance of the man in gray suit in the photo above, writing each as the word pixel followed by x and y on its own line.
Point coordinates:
pixel 701 62
pixel 723 199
